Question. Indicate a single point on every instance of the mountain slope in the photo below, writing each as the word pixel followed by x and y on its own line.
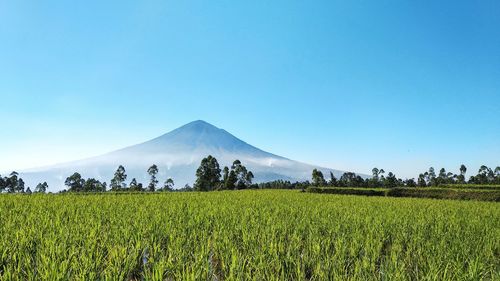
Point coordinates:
pixel 178 154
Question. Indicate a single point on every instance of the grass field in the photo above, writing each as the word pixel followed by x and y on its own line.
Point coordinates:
pixel 246 235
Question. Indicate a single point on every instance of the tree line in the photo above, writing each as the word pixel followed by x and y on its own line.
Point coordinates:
pixel 209 176
pixel 485 175
pixel 14 184
pixel 76 183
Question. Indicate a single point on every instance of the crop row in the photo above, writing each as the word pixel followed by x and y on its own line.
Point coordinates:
pixel 246 235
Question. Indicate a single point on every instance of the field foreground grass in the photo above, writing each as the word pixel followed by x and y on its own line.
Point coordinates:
pixel 246 235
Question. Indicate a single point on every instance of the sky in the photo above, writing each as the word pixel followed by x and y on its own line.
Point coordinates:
pixel 350 85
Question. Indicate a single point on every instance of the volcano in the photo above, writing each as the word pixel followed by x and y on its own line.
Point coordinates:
pixel 177 155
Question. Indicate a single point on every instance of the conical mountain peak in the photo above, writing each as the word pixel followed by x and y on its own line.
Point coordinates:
pixel 198 125
pixel 177 154
pixel 199 134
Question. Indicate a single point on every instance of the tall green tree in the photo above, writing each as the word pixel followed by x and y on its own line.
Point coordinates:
pixel 410 183
pixel 41 187
pixel 442 176
pixel 3 184
pixel 153 171
pixel 375 180
pixel 12 182
pixel 240 171
pixel 231 180
pixel 118 181
pixel 350 179
pixel 461 177
pixel 93 185
pixel 391 180
pixel 208 174
pixel 75 182
pixel 333 180
pixel 421 182
pixel 168 185
pixel 317 178
pixel 485 175
pixel 244 178
pixel 225 178
pixel 238 177
pixel 20 186
pixel 432 177
pixel 381 173
pixel 249 178
pixel 134 186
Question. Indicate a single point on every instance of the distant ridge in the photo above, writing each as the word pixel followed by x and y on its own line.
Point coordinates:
pixel 178 154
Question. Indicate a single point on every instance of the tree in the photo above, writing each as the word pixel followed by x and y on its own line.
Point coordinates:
pixel 375 180
pixel 3 184
pixel 117 183
pixel 317 178
pixel 186 188
pixel 41 187
pixel 497 175
pixel 282 184
pixel 249 178
pixel 485 175
pixel 134 186
pixel 207 174
pixel 333 180
pixel 93 185
pixel 461 177
pixel 28 190
pixel 421 182
pixel 351 179
pixel 12 182
pixel 168 185
pixel 231 181
pixel 241 172
pixel 410 183
pixel 442 177
pixel 391 180
pixel 432 177
pixel 153 171
pixel 450 177
pixel 75 182
pixel 20 186
pixel 225 177
pixel 463 169
pixel 381 174
pixel 238 177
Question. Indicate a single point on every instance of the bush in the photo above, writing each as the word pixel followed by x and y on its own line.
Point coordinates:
pixel 435 193
pixel 347 191
pixel 471 186
pixel 442 193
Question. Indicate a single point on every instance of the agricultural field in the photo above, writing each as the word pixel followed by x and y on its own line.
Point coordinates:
pixel 246 235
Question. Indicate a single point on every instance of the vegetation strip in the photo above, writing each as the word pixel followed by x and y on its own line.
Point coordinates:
pixel 434 193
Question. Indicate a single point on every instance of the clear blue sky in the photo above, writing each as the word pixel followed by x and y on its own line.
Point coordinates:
pixel 401 85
